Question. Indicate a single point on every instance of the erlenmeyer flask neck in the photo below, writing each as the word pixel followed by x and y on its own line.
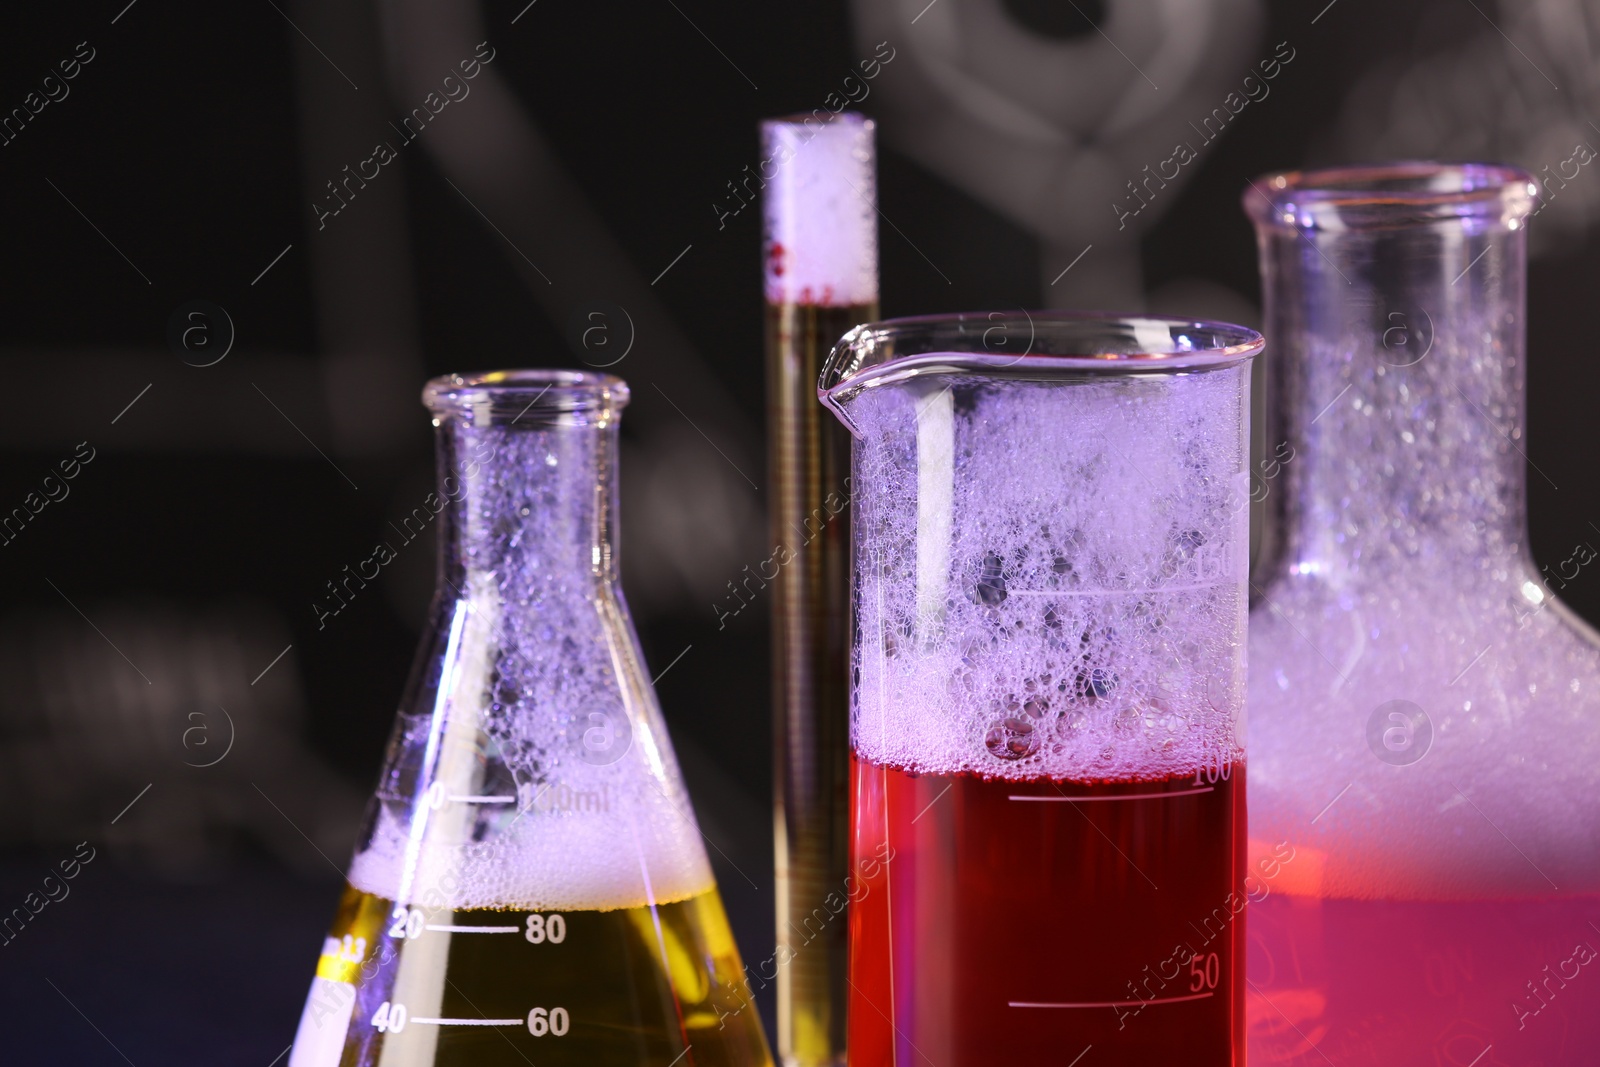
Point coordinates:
pixel 557 453
pixel 1395 321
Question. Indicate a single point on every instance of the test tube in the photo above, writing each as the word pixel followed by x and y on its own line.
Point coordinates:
pixel 820 257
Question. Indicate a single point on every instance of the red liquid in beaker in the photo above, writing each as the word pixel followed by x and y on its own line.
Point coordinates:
pixel 1020 922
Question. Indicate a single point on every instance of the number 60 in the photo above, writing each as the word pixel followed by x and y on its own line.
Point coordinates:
pixel 552 1021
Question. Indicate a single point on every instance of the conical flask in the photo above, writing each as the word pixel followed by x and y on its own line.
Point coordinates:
pixel 530 884
pixel 1424 738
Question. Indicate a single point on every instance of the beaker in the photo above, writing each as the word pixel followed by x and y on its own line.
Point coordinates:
pixel 1424 739
pixel 530 883
pixel 1050 543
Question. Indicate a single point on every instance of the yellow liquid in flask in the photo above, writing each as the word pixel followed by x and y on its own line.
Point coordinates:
pixel 654 985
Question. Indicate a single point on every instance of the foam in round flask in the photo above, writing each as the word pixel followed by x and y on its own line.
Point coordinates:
pixel 530 884
pixel 1424 712
pixel 1050 517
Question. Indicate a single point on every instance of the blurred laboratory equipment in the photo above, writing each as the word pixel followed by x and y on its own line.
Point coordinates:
pixel 1079 122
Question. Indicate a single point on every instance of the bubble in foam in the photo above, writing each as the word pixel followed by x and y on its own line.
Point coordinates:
pixel 1047 575
pixel 539 774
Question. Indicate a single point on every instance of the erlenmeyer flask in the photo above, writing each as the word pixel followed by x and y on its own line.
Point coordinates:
pixel 1424 744
pixel 530 884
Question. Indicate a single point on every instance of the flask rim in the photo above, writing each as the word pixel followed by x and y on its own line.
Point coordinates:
pixel 538 392
pixel 1382 195
pixel 1028 345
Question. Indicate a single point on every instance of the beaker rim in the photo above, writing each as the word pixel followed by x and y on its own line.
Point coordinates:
pixel 535 392
pixel 1029 344
pixel 1380 195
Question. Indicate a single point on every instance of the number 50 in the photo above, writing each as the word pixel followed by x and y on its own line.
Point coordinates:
pixel 1204 972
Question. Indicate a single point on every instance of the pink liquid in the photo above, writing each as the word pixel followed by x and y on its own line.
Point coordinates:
pixel 1381 983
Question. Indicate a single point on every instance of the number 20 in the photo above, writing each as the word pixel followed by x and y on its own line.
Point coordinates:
pixel 407 924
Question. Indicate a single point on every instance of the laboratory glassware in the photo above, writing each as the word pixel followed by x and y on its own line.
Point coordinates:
pixel 1424 741
pixel 821 279
pixel 530 883
pixel 1050 543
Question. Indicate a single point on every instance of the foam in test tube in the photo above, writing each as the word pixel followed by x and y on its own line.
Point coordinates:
pixel 821 211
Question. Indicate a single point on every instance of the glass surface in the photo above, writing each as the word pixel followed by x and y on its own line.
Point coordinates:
pixel 808 494
pixel 1423 730
pixel 530 884
pixel 1050 528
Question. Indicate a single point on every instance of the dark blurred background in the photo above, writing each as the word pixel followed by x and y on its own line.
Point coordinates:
pixel 166 691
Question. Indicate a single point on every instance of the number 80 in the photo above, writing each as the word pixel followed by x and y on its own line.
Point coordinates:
pixel 542 928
